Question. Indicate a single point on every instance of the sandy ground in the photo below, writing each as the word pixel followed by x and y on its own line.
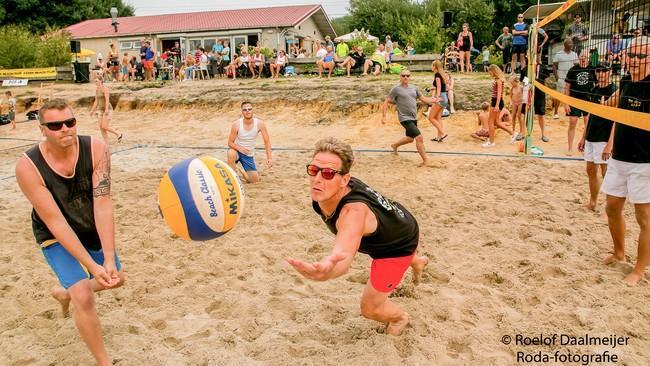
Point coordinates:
pixel 512 249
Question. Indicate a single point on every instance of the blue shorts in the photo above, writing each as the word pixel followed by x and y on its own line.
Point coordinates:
pixel 67 268
pixel 247 162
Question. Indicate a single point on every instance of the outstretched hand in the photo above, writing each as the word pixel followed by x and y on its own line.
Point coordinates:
pixel 318 271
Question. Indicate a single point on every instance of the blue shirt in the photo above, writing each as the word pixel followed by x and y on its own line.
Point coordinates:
pixel 217 48
pixel 519 39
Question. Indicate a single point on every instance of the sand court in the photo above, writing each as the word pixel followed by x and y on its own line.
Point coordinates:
pixel 512 251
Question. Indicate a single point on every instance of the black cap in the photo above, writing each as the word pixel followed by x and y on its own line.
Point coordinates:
pixel 603 66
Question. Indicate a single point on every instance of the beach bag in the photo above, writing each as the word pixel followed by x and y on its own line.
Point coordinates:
pixel 4 119
pixel 396 68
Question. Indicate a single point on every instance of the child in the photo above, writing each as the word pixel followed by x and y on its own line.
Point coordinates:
pixel 11 102
pixel 503 122
pixel 516 100
pixel 486 58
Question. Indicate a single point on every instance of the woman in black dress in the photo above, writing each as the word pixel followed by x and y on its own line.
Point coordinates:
pixel 465 45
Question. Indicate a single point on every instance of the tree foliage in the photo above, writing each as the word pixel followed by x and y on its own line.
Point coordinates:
pixel 39 15
pixel 19 48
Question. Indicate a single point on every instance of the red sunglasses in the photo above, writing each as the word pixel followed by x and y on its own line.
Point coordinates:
pixel 326 173
pixel 57 125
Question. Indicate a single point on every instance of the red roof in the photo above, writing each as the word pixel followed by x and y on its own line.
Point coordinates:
pixel 284 16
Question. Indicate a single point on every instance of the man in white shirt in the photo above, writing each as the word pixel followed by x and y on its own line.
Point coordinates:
pixel 562 62
pixel 241 143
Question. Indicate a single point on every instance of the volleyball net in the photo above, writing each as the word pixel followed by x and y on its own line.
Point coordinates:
pixel 599 31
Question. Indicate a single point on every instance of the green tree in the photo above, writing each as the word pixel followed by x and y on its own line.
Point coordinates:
pixel 342 25
pixel 38 15
pixel 477 13
pixel 53 49
pixel 385 17
pixel 17 48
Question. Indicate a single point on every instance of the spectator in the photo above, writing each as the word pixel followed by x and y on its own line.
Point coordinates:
pixel 235 64
pixel 328 42
pixel 320 52
pixel 355 59
pixel 257 64
pixel 226 52
pixel 342 50
pixel 377 61
pixel 465 43
pixel 281 61
pixel 217 47
pixel 389 49
pixel 328 62
pixel 293 50
pixel 175 54
pixel 11 113
pixel 519 43
pixel 580 81
pixel 148 64
pixel 616 51
pixel 301 53
pixel 504 42
pixel 114 63
pixel 190 64
pixel 244 59
pixel 562 62
pixel 125 67
pixel 451 57
pixel 409 49
pixel 486 58
pixel 578 33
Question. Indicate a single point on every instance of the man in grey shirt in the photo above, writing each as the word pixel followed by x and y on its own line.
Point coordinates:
pixel 405 97
pixel 579 33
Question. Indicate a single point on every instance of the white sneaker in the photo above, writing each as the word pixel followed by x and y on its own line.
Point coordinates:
pixel 488 144
pixel 513 138
pixel 555 116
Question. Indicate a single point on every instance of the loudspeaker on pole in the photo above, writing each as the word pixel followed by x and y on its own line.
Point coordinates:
pixel 446 18
pixel 75 46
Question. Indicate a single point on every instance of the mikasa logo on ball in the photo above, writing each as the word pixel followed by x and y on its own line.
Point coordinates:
pixel 232 194
pixel 208 193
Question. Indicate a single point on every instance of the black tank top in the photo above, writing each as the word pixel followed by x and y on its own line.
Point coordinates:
pixel 74 196
pixel 397 231
pixel 443 84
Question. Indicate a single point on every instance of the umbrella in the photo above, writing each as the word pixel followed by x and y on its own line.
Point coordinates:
pixel 84 53
pixel 355 34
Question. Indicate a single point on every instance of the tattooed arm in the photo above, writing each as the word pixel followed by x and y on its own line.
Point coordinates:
pixel 103 206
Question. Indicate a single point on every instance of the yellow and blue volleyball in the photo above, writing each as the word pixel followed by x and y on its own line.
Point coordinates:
pixel 201 198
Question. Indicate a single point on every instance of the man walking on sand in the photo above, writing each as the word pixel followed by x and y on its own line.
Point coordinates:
pixel 241 143
pixel 628 170
pixel 67 180
pixel 366 222
pixel 405 97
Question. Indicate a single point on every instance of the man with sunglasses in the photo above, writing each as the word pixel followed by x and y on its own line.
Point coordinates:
pixel 363 221
pixel 405 98
pixel 628 170
pixel 241 141
pixel 67 180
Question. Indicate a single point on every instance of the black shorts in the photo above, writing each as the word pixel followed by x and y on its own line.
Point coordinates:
pixel 464 48
pixel 411 127
pixel 523 108
pixel 375 63
pixel 519 49
pixel 493 103
pixel 506 55
pixel 575 112
pixel 540 106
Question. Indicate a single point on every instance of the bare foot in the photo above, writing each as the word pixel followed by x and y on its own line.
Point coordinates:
pixel 568 153
pixel 631 280
pixel 394 149
pixel 613 259
pixel 395 328
pixel 591 206
pixel 418 265
pixel 61 295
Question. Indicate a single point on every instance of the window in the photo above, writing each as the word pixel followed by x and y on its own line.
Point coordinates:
pixel 194 44
pixel 129 45
pixel 238 41
pixel 208 43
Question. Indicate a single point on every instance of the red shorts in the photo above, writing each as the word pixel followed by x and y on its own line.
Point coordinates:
pixel 387 273
pixel 147 64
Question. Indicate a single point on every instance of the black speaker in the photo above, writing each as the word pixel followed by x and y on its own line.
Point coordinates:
pixel 75 46
pixel 446 18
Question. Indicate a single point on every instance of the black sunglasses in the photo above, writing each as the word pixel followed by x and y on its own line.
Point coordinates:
pixel 405 76
pixel 640 56
pixel 57 125
pixel 326 173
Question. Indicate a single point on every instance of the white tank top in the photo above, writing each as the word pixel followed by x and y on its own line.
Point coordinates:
pixel 281 60
pixel 247 138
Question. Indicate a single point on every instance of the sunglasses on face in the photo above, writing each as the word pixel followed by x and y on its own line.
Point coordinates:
pixel 246 109
pixel 640 56
pixel 326 173
pixel 405 76
pixel 57 125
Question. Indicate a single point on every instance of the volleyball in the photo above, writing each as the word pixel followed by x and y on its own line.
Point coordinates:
pixel 201 198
